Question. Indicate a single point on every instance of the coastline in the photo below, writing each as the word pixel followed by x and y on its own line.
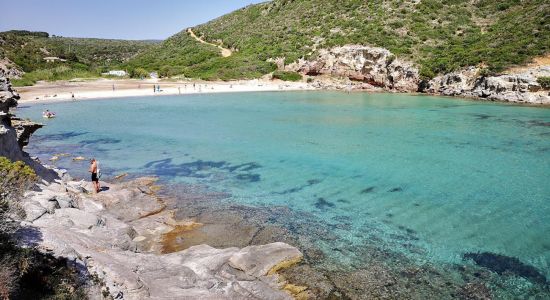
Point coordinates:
pixel 61 91
pixel 225 225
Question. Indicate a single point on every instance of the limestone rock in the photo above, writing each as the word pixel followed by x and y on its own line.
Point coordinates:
pixel 12 139
pixel 375 66
pixel 521 87
pixel 261 260
pixel 33 211
pixel 102 238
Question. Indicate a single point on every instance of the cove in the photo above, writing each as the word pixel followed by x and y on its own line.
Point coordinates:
pixel 433 178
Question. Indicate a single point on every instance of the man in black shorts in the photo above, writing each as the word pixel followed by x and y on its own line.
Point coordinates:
pixel 93 170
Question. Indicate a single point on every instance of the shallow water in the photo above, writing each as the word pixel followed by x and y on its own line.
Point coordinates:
pixel 454 176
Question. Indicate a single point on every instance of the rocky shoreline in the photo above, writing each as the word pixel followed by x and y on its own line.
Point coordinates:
pixel 117 238
pixel 136 241
pixel 357 67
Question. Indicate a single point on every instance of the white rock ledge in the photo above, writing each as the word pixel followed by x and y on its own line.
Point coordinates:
pixel 98 232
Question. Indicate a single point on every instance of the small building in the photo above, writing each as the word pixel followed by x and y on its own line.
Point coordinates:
pixel 53 59
pixel 119 73
pixel 154 75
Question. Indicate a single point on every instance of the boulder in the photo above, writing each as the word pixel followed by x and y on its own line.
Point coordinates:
pixel 33 210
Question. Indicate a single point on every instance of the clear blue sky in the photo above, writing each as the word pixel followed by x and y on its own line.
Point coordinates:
pixel 122 19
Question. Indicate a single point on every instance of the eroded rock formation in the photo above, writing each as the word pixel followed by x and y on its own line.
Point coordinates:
pixel 371 68
pixel 115 236
pixel 520 87
pixel 14 133
pixel 374 66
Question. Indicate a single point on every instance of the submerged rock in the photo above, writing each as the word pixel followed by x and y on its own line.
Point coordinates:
pixel 502 264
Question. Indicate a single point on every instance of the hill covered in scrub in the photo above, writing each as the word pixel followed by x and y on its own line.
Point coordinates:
pixel 440 36
pixel 79 57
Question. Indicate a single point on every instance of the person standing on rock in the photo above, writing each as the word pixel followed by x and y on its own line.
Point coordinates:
pixel 94 170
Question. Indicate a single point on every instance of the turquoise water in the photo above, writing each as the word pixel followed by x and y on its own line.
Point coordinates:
pixel 461 176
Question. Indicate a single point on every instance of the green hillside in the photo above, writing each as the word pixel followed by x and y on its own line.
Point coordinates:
pixel 439 35
pixel 84 57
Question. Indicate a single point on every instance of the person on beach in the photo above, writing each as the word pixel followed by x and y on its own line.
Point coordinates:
pixel 154 89
pixel 72 96
pixel 94 170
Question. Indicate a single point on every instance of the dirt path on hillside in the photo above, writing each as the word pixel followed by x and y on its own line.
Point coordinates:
pixel 225 52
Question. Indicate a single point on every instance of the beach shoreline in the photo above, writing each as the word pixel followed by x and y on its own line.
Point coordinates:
pixel 61 91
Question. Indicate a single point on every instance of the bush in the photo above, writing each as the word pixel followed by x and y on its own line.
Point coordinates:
pixel 426 73
pixel 544 82
pixel 26 273
pixel 287 76
pixel 15 179
pixel 139 73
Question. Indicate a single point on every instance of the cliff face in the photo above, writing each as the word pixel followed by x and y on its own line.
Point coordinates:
pixel 519 87
pixel 377 67
pixel 14 133
pixel 364 67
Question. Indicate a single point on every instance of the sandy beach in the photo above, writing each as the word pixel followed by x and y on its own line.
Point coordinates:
pixel 112 88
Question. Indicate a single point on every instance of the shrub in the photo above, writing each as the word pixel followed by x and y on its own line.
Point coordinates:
pixel 287 76
pixel 139 73
pixel 26 273
pixel 544 82
pixel 426 73
pixel 15 179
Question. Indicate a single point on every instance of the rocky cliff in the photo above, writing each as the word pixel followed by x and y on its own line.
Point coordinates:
pixel 364 67
pixel 521 87
pixel 14 133
pixel 375 67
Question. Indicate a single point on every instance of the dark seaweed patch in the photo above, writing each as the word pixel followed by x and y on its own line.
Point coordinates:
pixel 244 167
pixel 408 230
pixel 249 177
pixel 59 136
pixel 482 116
pixel 100 141
pixel 313 181
pixel 394 190
pixel 368 190
pixel 538 123
pixel 502 264
pixel 342 201
pixel 299 188
pixel 190 169
pixel 322 203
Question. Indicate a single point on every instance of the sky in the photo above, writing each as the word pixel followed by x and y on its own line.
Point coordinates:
pixel 115 19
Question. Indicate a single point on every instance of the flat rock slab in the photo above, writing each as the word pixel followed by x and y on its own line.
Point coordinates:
pixel 265 259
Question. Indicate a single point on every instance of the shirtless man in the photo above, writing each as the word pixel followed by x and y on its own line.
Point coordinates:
pixel 93 170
